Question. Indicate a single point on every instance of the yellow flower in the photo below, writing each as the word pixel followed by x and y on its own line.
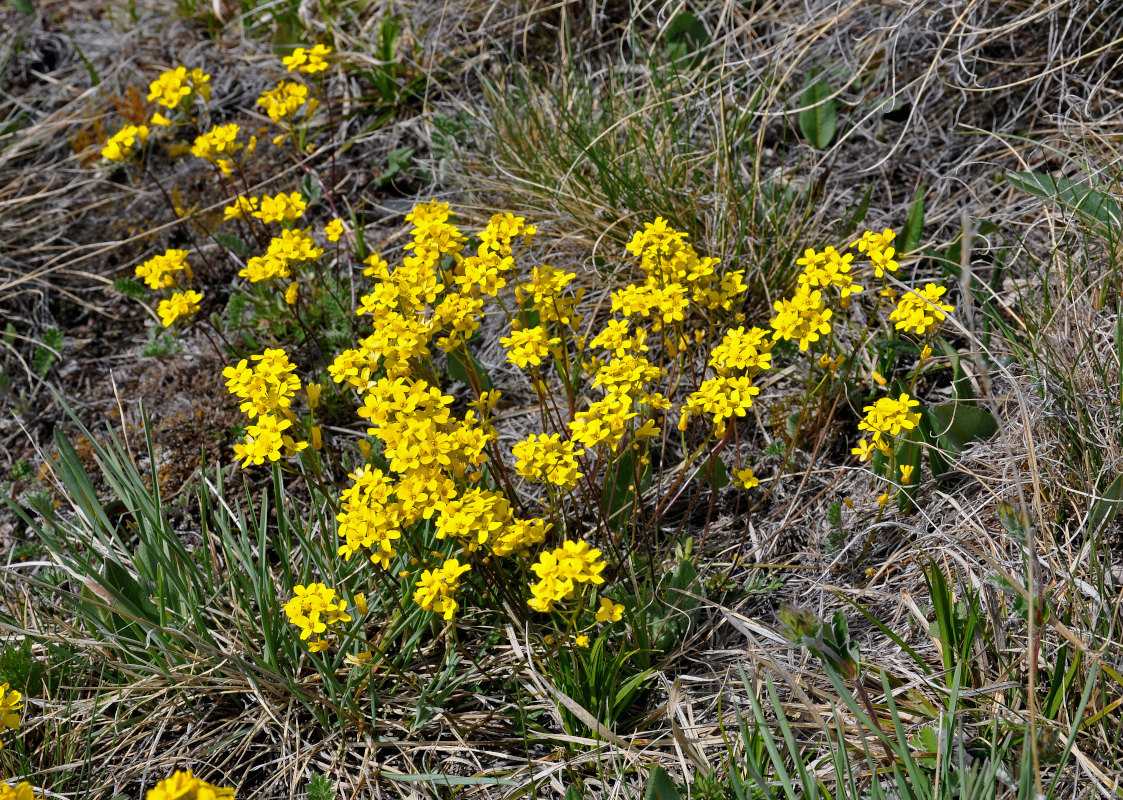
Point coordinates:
pixel 878 378
pixel 921 312
pixel 308 61
pixel 23 791
pixel 803 318
pixel 268 387
pixel 883 500
pixel 11 702
pixel 582 641
pixel 284 101
pixel 160 119
pixel 547 459
pixel 359 659
pixel 313 391
pixel 906 473
pixel 185 786
pixel 333 230
pixel 561 570
pixel 722 398
pixel 926 352
pixel 888 417
pixel 528 346
pixel 435 588
pixel 314 609
pixel 179 305
pixel 609 611
pixel 176 85
pixel 864 451
pixel 744 478
pixel 361 603
pixel 266 439
pixel 292 292
pixel 159 272
pixel 120 146
pixel 281 208
pixel 219 141
pixel 243 206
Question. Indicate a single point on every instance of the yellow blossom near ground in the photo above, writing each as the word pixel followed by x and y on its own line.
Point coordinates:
pixel 125 142
pixel 179 306
pixel 159 272
pixel 185 786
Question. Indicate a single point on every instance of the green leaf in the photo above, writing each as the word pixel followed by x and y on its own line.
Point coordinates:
pixel 131 288
pixel 909 237
pixel 232 242
pixel 466 368
pixel 858 215
pixel 714 473
pixel 960 383
pixel 908 454
pixel 955 424
pixel 47 353
pixel 396 161
pixel 819 118
pixel 25 7
pixel 1097 208
pixel 660 786
pixel 1103 511
pixel 685 36
pixel 571 793
pixel 619 490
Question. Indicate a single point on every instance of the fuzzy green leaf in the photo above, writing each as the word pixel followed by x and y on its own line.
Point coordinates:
pixel 1103 511
pixel 956 424
pixel 909 237
pixel 660 786
pixel 232 242
pixel 819 118
pixel 1097 208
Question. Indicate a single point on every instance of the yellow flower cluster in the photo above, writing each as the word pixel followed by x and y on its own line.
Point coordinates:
pixel 436 588
pixel 267 390
pixel 828 268
pixel 741 350
pixel 292 247
pixel 284 101
pixel 921 312
pixel 803 318
pixel 674 274
pixel 308 61
pixel 547 459
pixel 243 207
pixel 722 398
pixel 159 272
pixel 11 702
pixel 121 145
pixel 878 248
pixel 175 86
pixel 178 306
pixel 528 346
pixel 22 791
pixel 560 573
pixel 886 417
pixel 314 610
pixel 182 785
pixel 280 208
pixel 218 146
